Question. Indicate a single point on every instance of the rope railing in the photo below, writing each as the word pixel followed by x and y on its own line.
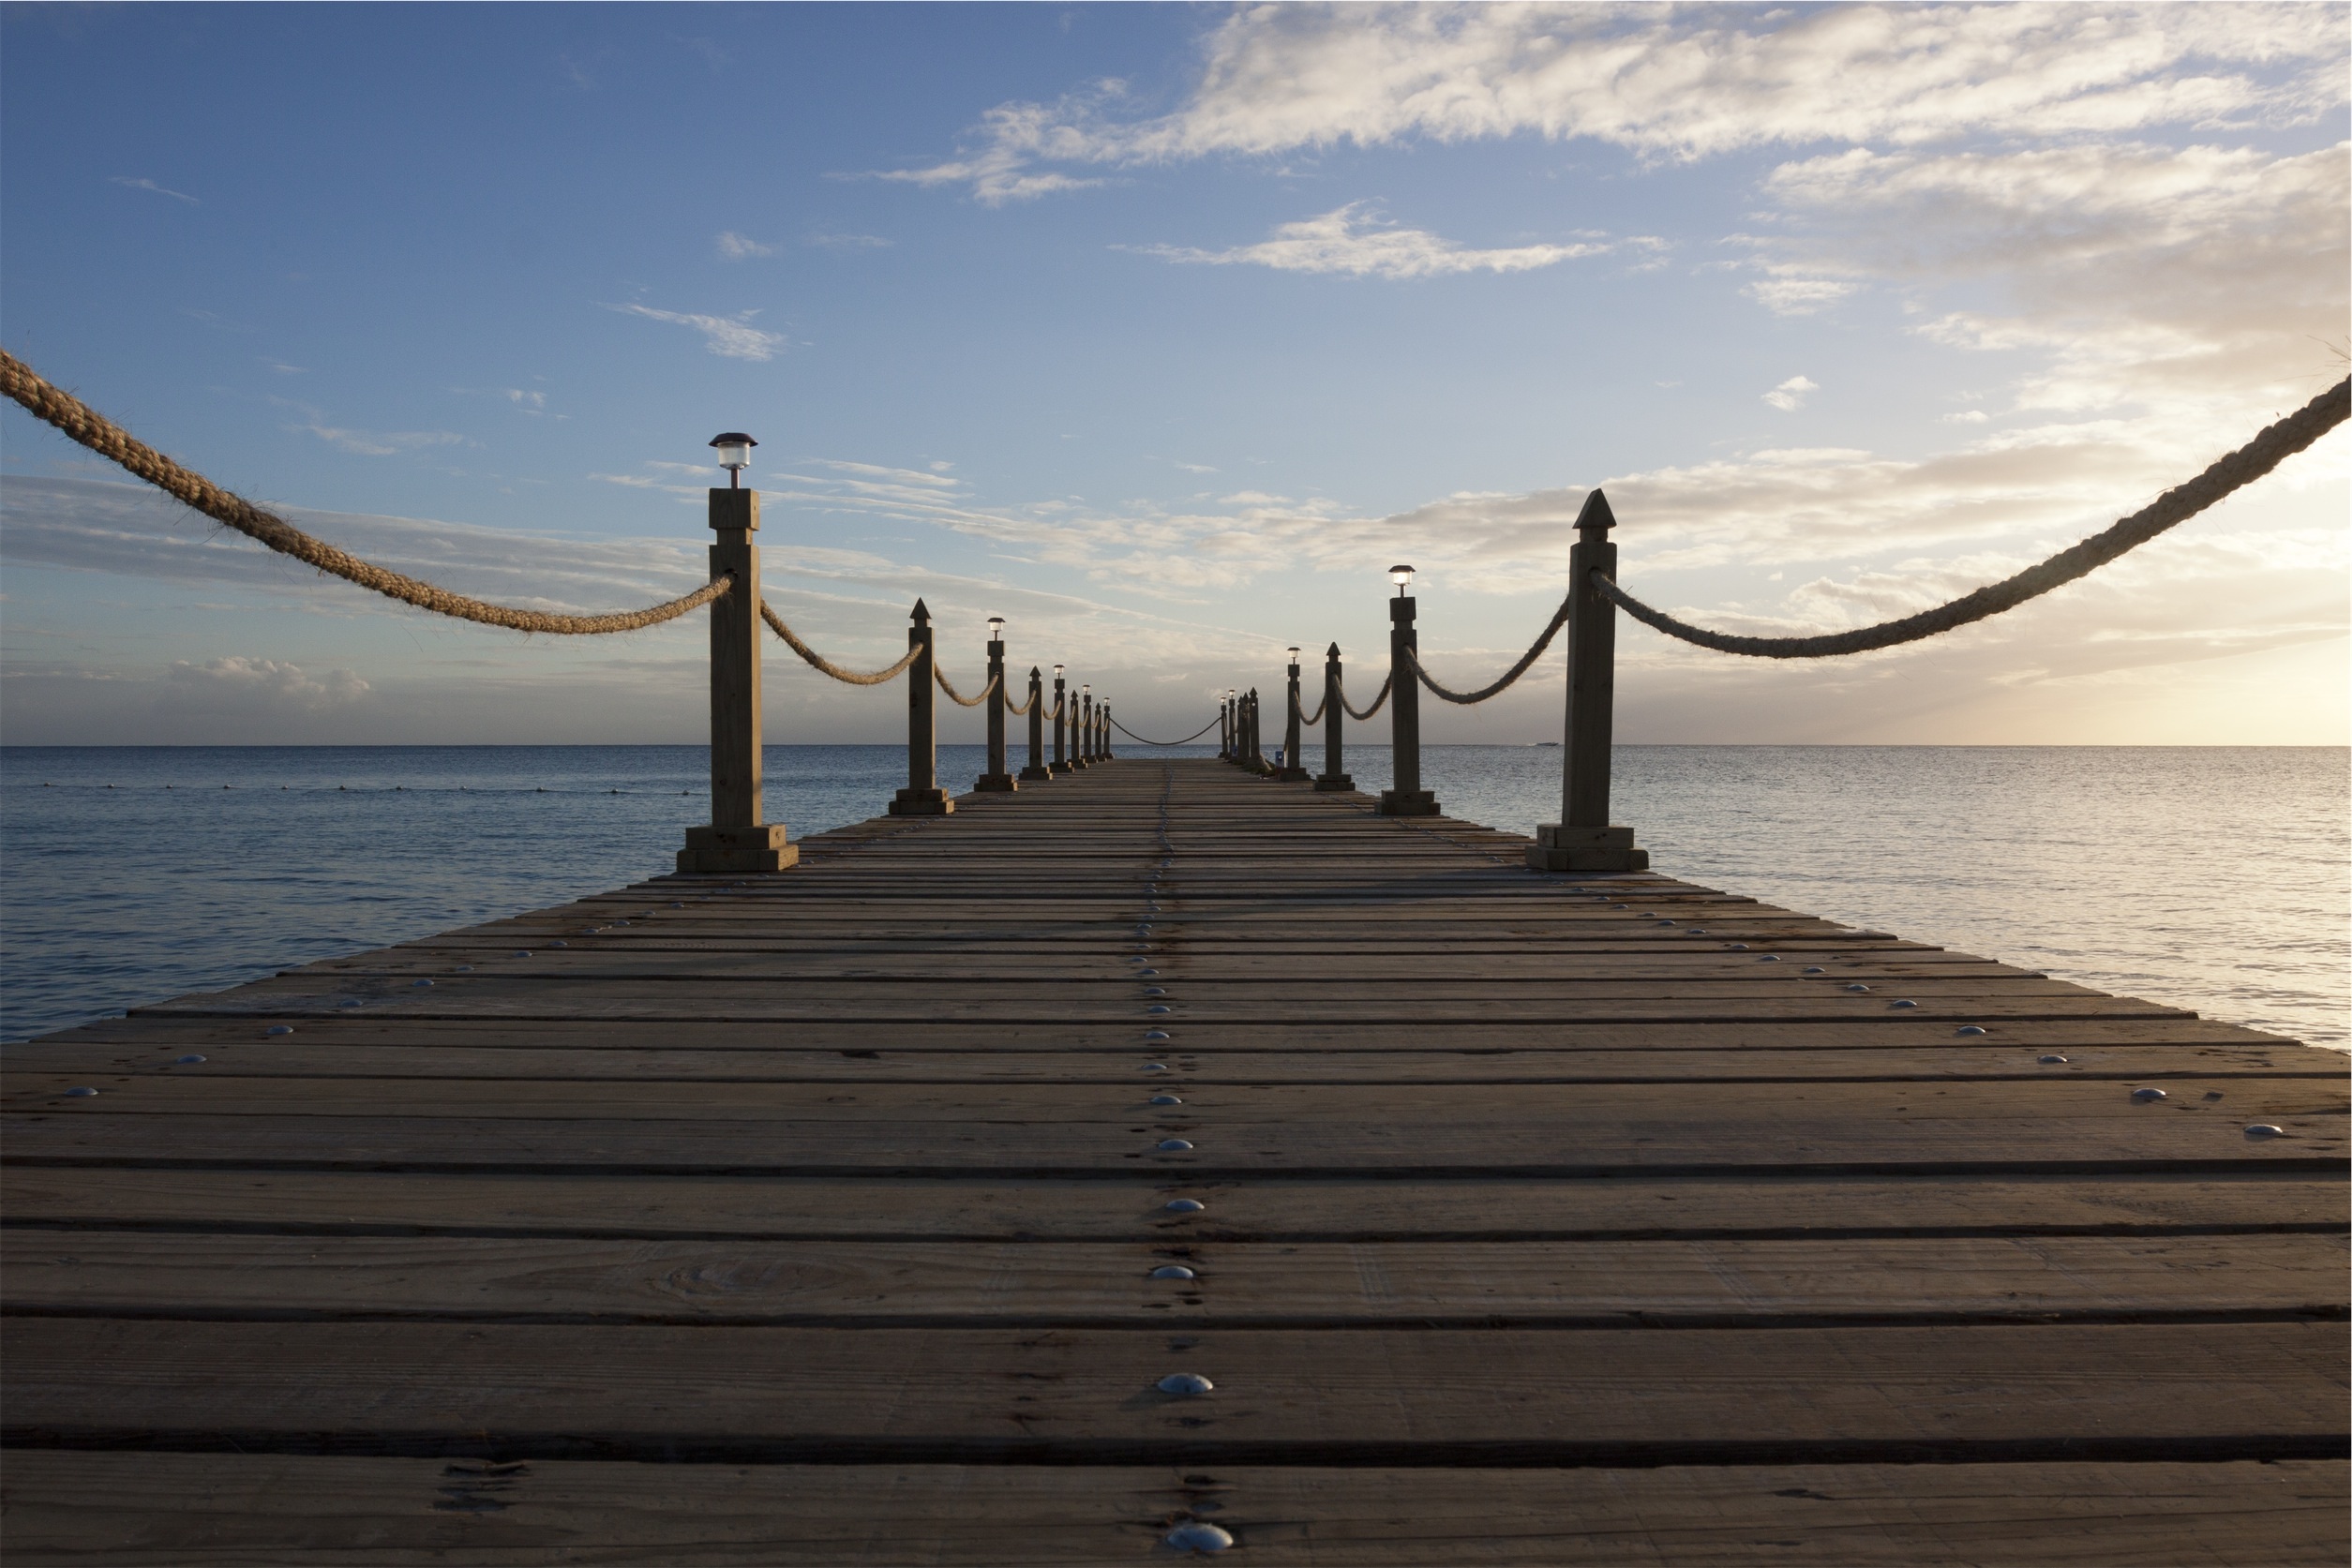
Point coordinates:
pixel 1187 740
pixel 109 440
pixel 1308 721
pixel 817 661
pixel 1367 712
pixel 2234 471
pixel 1527 660
pixel 1023 711
pixel 957 698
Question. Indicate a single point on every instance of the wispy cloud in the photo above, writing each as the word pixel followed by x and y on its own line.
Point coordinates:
pixel 1353 240
pixel 379 444
pixel 130 183
pixel 1788 396
pixel 850 242
pixel 736 248
pixel 729 337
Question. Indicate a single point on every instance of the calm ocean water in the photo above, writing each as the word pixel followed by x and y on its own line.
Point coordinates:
pixel 2209 879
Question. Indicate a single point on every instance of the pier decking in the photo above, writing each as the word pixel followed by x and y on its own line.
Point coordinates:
pixel 835 1217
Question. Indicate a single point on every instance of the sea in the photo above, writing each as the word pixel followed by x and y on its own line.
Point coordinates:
pixel 2206 877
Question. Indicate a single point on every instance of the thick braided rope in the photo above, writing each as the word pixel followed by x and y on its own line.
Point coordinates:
pixel 1308 721
pixel 1143 740
pixel 1559 618
pixel 2242 467
pixel 102 436
pixel 817 661
pixel 1021 712
pixel 1367 712
pixel 959 698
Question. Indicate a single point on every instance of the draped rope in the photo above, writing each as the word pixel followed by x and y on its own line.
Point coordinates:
pixel 1308 721
pixel 1559 618
pixel 2240 468
pixel 817 661
pixel 959 698
pixel 1141 741
pixel 109 440
pixel 1023 711
pixel 1367 712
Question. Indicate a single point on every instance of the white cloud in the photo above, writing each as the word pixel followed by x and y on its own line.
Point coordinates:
pixel 1674 83
pixel 529 402
pixel 729 337
pixel 241 685
pixel 1350 240
pixel 1797 296
pixel 1788 396
pixel 735 247
pixel 379 443
pixel 851 241
pixel 126 181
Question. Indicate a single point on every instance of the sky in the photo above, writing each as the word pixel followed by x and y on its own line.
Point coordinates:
pixel 1163 332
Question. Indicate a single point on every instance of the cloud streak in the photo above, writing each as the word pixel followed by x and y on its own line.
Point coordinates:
pixel 130 183
pixel 1352 239
pixel 729 337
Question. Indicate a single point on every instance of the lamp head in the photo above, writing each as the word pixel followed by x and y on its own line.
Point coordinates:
pixel 1402 577
pixel 1058 672
pixel 734 450
pixel 995 628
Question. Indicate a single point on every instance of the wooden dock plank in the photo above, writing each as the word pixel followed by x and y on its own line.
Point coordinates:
pixel 287 1511
pixel 740 1216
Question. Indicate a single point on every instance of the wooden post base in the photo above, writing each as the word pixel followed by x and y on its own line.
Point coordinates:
pixel 921 802
pixel 728 850
pixel 1037 774
pixel 995 784
pixel 1294 775
pixel 1562 848
pixel 1416 802
pixel 1333 783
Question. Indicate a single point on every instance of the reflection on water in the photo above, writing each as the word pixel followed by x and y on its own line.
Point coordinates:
pixel 2212 878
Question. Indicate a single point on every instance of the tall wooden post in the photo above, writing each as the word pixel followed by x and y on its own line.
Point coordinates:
pixel 923 796
pixel 1081 715
pixel 1225 729
pixel 998 780
pixel 1256 758
pixel 1583 840
pixel 736 840
pixel 1061 722
pixel 1408 798
pixel 1107 754
pixel 1037 768
pixel 1334 776
pixel 1293 771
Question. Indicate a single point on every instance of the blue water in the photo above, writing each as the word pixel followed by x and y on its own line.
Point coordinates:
pixel 2212 878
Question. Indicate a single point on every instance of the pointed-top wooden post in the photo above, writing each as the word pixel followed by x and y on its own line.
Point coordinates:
pixel 1334 776
pixel 1583 839
pixel 1036 771
pixel 923 796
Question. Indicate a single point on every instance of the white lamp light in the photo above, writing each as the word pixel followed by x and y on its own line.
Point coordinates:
pixel 995 628
pixel 1401 575
pixel 734 449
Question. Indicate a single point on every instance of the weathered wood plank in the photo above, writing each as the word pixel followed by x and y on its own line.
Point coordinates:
pixel 286 1511
pixel 1374 1395
pixel 1259 1209
pixel 1041 1284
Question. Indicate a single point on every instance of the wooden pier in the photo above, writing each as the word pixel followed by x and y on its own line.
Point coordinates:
pixel 856 1215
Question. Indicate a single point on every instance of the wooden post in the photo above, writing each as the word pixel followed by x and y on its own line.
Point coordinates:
pixel 736 840
pixel 1583 840
pixel 1293 772
pixel 1256 759
pixel 1225 729
pixel 1408 798
pixel 1081 715
pixel 998 780
pixel 1107 754
pixel 1037 768
pixel 923 796
pixel 1061 722
pixel 1334 714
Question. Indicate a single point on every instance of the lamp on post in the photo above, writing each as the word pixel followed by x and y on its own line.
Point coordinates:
pixel 736 840
pixel 998 780
pixel 1082 739
pixel 1407 799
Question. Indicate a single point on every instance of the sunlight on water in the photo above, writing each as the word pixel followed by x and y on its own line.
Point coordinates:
pixel 2207 879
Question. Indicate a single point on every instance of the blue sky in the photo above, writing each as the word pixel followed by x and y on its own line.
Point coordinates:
pixel 1162 331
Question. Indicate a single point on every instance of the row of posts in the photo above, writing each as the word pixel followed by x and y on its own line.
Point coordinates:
pixel 1584 838
pixel 737 840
